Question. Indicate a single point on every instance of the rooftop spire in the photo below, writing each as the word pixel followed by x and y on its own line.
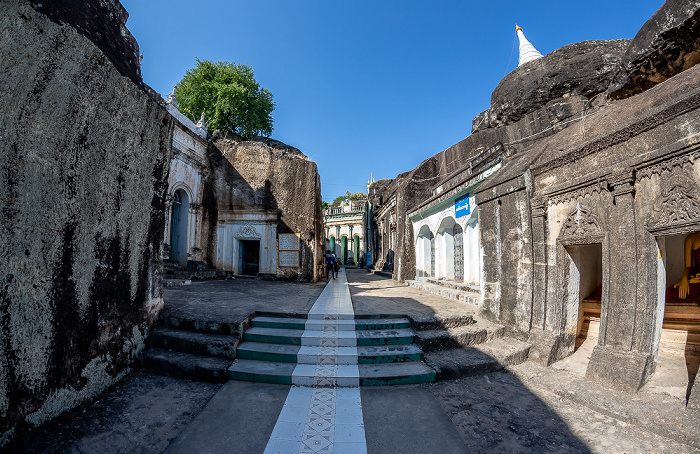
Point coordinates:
pixel 527 50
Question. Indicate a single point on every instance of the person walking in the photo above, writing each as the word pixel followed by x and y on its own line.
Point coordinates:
pixel 336 267
pixel 329 260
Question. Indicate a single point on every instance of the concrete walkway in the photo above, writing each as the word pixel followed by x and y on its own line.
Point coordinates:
pixel 324 418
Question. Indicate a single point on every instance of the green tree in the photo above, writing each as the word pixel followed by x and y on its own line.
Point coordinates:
pixel 229 96
pixel 349 196
pixel 324 205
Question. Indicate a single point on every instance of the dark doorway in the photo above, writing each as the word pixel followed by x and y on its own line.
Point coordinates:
pixel 249 252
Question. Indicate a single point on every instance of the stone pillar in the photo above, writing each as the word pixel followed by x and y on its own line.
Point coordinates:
pixel 168 221
pixel 613 360
pixel 539 272
pixel 350 260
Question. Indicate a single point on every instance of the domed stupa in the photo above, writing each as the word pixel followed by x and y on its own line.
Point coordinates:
pixel 527 50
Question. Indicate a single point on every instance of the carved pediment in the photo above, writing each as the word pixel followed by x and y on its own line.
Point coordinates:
pixel 679 205
pixel 581 223
pixel 247 231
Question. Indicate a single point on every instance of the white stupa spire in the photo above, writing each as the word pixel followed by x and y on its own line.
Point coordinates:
pixel 527 50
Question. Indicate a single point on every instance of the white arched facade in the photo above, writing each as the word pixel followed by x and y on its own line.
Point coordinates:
pixel 182 236
pixel 448 247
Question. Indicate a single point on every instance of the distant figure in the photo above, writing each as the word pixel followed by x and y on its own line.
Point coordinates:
pixel 691 252
pixel 329 260
pixel 336 267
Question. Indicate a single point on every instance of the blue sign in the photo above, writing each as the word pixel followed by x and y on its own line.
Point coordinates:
pixel 462 206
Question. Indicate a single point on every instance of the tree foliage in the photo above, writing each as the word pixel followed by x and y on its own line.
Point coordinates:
pixel 229 96
pixel 349 196
pixel 324 205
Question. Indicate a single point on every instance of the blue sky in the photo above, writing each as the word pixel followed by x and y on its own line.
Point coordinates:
pixel 368 86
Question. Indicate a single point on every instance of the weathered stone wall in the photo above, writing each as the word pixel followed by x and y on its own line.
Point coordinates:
pixel 266 174
pixel 83 168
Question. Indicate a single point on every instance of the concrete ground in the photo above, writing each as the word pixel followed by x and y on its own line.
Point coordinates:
pixel 527 408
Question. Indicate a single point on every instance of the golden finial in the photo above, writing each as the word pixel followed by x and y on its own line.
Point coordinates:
pixel 518 27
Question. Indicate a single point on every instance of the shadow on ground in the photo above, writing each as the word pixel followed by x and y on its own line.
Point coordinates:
pixel 526 409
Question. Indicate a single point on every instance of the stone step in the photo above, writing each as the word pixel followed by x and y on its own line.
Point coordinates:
pixel 491 356
pixel 286 353
pixel 335 376
pixel 453 321
pixel 184 365
pixel 395 374
pixel 464 336
pixel 375 354
pixel 202 326
pixel 465 296
pixel 316 324
pixel 385 337
pixel 344 338
pixel 194 343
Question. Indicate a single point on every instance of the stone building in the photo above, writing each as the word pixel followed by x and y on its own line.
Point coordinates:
pixel 582 221
pixel 345 224
pixel 262 209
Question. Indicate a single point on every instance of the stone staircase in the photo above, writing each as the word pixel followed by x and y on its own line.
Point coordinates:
pixel 362 351
pixel 387 351
pixel 192 349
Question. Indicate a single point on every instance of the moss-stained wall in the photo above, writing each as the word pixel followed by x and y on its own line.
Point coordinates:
pixel 84 159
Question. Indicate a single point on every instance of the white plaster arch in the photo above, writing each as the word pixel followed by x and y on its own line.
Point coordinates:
pixel 182 185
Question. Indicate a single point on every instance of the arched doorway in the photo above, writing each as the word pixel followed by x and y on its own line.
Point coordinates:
pixel 178 227
pixel 331 245
pixel 423 252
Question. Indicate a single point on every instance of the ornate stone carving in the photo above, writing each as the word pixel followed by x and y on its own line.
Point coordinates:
pixel 679 206
pixel 621 182
pixel 581 223
pixel 667 165
pixel 172 99
pixel 539 207
pixel 247 231
pixel 587 191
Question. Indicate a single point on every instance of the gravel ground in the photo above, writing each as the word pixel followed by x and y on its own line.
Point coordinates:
pixel 232 300
pixel 141 414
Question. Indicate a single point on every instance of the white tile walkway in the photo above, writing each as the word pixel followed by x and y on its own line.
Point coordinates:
pixel 323 411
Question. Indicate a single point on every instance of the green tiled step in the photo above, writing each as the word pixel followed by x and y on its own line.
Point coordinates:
pixel 274 335
pixel 369 374
pixel 385 337
pixel 375 354
pixel 300 323
pixel 262 371
pixel 294 336
pixel 259 351
pixel 262 351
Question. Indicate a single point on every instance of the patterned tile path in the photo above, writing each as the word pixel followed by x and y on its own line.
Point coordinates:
pixel 318 416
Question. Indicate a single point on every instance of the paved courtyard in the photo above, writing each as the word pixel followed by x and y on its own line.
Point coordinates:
pixel 526 408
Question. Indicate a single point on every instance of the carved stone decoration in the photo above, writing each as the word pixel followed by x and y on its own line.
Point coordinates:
pixel 621 182
pixel 593 189
pixel 668 165
pixel 680 205
pixel 539 207
pixel 247 231
pixel 581 223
